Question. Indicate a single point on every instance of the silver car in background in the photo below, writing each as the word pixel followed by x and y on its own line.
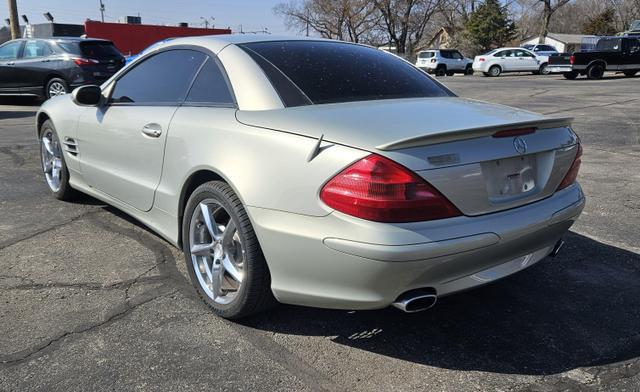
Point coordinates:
pixel 315 172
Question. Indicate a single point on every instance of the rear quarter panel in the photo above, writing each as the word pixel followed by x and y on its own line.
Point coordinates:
pixel 266 168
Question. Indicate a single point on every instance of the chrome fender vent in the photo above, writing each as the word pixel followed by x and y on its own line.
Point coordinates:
pixel 70 146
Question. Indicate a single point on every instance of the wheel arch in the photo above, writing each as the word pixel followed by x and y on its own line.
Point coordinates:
pixel 40 119
pixel 597 61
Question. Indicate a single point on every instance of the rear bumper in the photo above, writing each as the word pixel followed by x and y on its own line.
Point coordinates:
pixel 559 68
pixel 480 67
pixel 338 261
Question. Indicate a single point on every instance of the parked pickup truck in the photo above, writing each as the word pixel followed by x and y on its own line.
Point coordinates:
pixel 621 54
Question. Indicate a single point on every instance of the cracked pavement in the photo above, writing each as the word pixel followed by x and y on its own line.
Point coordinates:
pixel 92 300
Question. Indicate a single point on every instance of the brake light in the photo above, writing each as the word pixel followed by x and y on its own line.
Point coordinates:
pixel 83 61
pixel 514 132
pixel 572 59
pixel 572 174
pixel 481 59
pixel 433 60
pixel 378 189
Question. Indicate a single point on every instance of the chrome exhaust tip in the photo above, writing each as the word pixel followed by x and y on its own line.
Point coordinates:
pixel 416 300
pixel 556 248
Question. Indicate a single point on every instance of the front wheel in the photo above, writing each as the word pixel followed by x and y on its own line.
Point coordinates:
pixel 222 253
pixel 55 169
pixel 441 71
pixel 468 70
pixel 55 87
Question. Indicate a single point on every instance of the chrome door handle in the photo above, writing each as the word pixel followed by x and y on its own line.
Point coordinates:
pixel 152 130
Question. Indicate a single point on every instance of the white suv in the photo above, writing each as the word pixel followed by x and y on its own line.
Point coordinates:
pixel 444 62
pixel 510 60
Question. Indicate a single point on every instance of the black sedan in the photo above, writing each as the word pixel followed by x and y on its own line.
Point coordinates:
pixel 55 66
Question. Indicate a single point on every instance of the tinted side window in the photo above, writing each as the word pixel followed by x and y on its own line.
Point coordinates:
pixel 210 86
pixel 446 54
pixel 163 78
pixel 10 50
pixel 331 72
pixel 547 48
pixel 457 55
pixel 36 49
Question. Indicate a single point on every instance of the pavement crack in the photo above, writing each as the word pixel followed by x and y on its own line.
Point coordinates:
pixel 17 159
pixel 593 106
pixel 115 314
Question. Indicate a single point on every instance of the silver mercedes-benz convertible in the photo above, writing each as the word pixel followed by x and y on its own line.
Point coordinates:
pixel 315 172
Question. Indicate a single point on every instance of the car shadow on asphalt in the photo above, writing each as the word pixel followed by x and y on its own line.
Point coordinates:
pixel 579 309
pixel 9 114
pixel 19 101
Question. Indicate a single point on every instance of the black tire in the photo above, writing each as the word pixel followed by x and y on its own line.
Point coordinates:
pixel 630 74
pixel 595 71
pixel 468 70
pixel 55 84
pixel 450 73
pixel 544 69
pixel 486 74
pixel 441 70
pixel 494 71
pixel 64 191
pixel 570 75
pixel 254 294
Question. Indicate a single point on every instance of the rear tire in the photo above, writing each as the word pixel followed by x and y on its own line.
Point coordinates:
pixel 595 71
pixel 55 87
pixel 441 70
pixel 450 73
pixel 570 75
pixel 630 74
pixel 495 71
pixel 468 70
pixel 544 69
pixel 232 276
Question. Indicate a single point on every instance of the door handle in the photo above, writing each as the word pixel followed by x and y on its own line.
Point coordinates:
pixel 11 63
pixel 45 60
pixel 152 130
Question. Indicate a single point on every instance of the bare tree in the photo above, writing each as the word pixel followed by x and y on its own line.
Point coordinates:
pixel 406 20
pixel 550 7
pixel 350 20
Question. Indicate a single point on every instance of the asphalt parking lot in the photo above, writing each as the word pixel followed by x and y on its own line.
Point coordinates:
pixel 90 300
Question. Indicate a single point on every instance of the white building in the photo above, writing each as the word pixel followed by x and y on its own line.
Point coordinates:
pixel 568 43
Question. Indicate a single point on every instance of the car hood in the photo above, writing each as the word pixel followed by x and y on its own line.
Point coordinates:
pixel 394 124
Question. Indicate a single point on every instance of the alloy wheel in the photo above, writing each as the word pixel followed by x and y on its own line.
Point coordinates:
pixel 217 252
pixel 51 160
pixel 57 88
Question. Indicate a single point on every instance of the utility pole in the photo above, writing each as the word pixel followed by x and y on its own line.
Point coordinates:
pixel 102 11
pixel 13 19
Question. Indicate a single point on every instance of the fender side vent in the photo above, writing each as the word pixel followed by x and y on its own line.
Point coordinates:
pixel 70 146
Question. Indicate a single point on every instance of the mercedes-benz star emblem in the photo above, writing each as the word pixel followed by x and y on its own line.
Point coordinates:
pixel 520 145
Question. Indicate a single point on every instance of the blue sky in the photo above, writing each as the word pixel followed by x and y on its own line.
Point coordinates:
pixel 251 14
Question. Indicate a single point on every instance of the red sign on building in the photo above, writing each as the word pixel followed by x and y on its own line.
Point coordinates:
pixel 133 38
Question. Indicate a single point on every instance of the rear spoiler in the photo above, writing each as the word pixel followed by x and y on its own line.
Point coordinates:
pixel 472 133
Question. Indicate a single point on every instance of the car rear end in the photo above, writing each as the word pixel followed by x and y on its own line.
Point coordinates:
pixel 560 63
pixel 94 61
pixel 482 63
pixel 428 60
pixel 428 194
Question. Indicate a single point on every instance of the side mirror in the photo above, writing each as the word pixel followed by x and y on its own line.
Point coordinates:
pixel 87 95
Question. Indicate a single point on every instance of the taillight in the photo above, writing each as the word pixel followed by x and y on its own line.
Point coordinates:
pixel 572 174
pixel 433 60
pixel 82 61
pixel 378 189
pixel 572 59
pixel 481 59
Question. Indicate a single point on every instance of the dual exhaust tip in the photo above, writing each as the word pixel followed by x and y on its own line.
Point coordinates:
pixel 418 300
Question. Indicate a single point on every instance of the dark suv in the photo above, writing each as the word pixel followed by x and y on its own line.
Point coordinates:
pixel 55 66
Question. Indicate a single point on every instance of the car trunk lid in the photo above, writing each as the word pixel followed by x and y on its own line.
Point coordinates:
pixel 448 141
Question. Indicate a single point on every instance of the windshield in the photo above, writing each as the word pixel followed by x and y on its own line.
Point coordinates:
pixel 425 55
pixel 331 72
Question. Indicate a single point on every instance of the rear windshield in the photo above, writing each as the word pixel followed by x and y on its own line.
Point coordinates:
pixel 426 55
pixel 332 72
pixel 93 49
